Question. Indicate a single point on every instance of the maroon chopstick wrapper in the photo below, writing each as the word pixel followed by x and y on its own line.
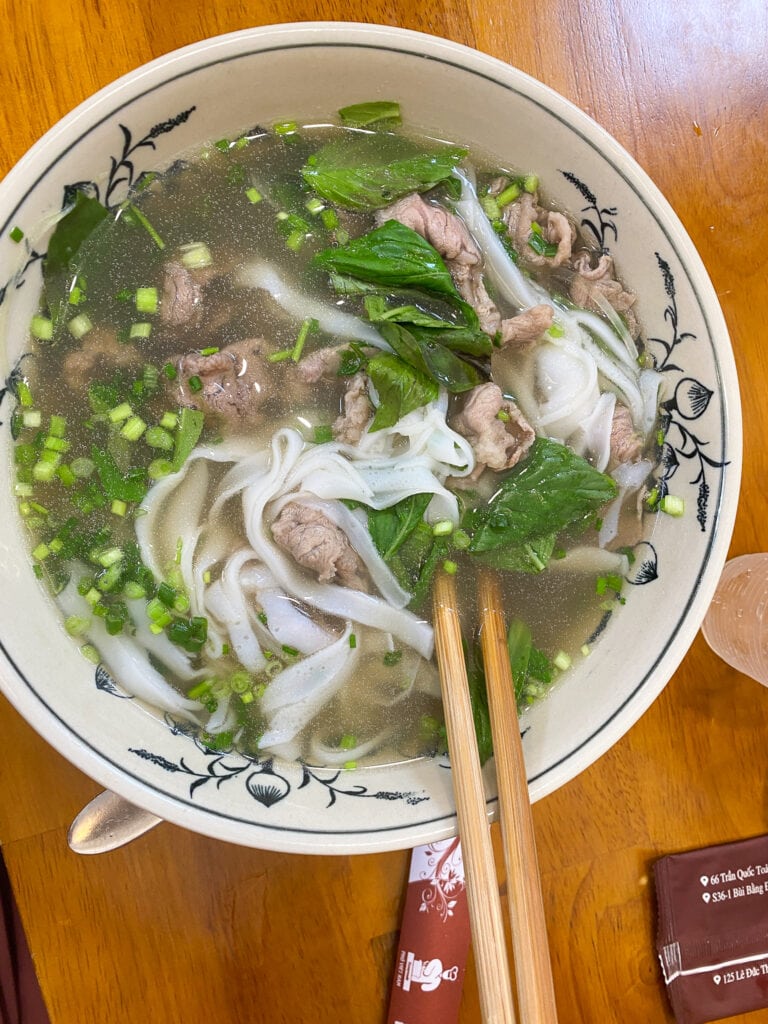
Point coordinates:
pixel 434 938
pixel 713 929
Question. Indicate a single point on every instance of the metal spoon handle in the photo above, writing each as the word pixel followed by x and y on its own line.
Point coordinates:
pixel 107 822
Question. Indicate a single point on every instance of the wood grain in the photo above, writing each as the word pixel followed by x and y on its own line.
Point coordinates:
pixel 180 928
pixel 530 946
pixel 491 959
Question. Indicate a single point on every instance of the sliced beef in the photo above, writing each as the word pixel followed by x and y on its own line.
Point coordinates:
pixel 591 282
pixel 626 443
pixel 99 354
pixel 358 410
pixel 498 443
pixel 324 363
pixel 182 295
pixel 523 330
pixel 520 217
pixel 233 383
pixel 450 236
pixel 317 544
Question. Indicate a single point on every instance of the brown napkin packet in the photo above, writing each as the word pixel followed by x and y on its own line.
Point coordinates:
pixel 434 938
pixel 713 929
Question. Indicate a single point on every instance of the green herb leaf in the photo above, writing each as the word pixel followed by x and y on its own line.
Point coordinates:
pixel 531 557
pixel 550 490
pixel 116 484
pixel 431 358
pixel 401 389
pixel 368 172
pixel 361 115
pixel 390 527
pixel 392 255
pixel 188 433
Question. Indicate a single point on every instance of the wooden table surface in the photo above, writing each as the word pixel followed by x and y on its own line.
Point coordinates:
pixel 179 928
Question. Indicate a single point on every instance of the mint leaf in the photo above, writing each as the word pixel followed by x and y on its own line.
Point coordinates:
pixel 552 489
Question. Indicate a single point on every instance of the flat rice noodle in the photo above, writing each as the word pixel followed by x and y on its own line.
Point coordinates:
pixel 297 694
pixel 630 477
pixel 567 376
pixel 590 561
pixel 289 625
pixel 128 663
pixel 593 436
pixel 323 755
pixel 300 306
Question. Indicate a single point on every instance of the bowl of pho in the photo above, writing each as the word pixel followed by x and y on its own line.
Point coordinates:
pixel 278 348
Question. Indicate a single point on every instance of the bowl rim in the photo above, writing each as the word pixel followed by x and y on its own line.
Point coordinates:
pixel 109 100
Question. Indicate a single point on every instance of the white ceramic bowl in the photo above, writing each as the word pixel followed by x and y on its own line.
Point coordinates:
pixel 307 71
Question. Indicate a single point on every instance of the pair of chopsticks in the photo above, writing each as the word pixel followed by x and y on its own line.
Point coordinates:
pixel 533 972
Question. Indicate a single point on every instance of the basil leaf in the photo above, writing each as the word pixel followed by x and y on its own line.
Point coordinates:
pixel 519 644
pixel 459 337
pixel 80 221
pixel 390 527
pixel 361 115
pixel 531 557
pixel 188 433
pixel 401 389
pixel 431 358
pixel 118 486
pixel 368 172
pixel 550 490
pixel 392 255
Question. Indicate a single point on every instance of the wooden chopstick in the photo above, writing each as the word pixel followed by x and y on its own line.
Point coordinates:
pixel 533 970
pixel 484 902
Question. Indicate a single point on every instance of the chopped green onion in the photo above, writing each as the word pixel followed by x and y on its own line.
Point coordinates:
pixel 280 355
pixel 502 415
pixel 210 351
pixel 199 689
pixel 82 467
pixel 41 552
pixel 253 195
pixel 450 567
pixel 530 183
pixel 310 324
pixel 134 212
pixel 24 394
pixel 490 207
pixel 90 653
pixel 672 505
pixel 31 418
pixel 347 742
pixel 195 255
pixel 169 420
pixel 92 596
pixel 44 472
pixel 508 195
pixel 585 650
pixel 110 557
pixel 315 205
pixel 56 444
pixel 349 765
pixel 159 468
pixel 292 652
pixel 392 657
pixel 41 327
pixel 285 128
pixel 120 412
pixel 133 591
pixel 133 429
pixel 323 433
pixel 195 384
pixel 77 625
pixel 329 218
pixel 57 426
pixel 140 330
pixel 147 300
pixel 170 371
pixel 158 437
pixel 79 325
pixel 16 234
pixel 556 331
pixel 444 528
pixel 562 661
pixel 118 507
pixel 352 641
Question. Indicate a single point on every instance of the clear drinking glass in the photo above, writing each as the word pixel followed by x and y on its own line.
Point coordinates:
pixel 736 624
